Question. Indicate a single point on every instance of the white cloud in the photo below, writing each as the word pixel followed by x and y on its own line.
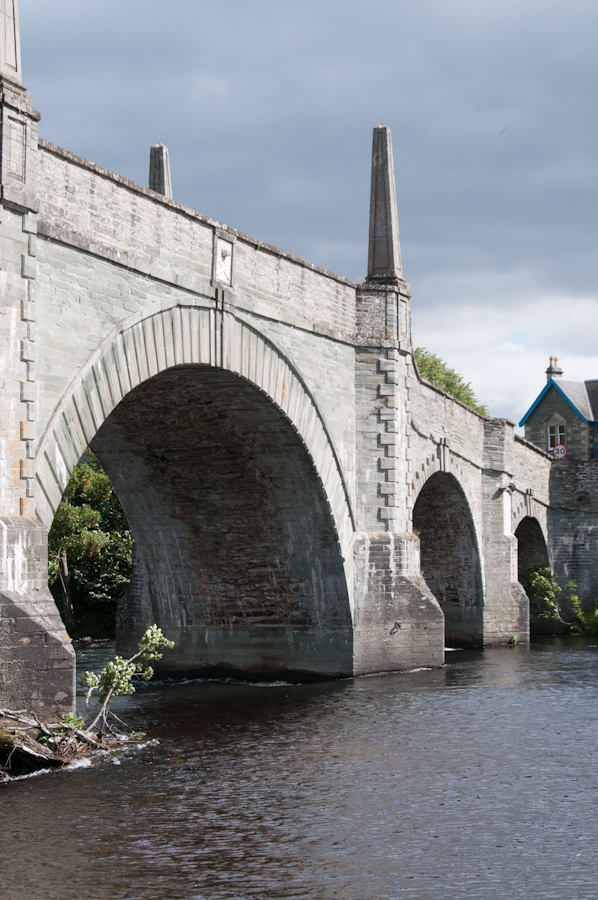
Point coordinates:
pixel 498 330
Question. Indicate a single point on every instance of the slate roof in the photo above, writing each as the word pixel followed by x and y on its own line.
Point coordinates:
pixel 592 389
pixel 582 396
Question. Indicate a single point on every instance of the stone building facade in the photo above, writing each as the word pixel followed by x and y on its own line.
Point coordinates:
pixel 564 413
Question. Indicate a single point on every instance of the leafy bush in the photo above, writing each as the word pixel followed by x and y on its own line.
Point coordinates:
pixel 437 371
pixel 587 619
pixel 546 595
pixel 89 552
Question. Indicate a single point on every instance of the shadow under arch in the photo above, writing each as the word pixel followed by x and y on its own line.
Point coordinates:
pixel 231 486
pixel 450 558
pixel 532 552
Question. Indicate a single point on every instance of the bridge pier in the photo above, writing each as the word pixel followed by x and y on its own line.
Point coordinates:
pixel 37 660
pixel 398 623
pixel 506 605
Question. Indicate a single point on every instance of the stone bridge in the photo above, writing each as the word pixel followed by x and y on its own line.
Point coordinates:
pixel 302 501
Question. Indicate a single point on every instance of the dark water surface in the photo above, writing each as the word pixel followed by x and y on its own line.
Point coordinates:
pixel 476 780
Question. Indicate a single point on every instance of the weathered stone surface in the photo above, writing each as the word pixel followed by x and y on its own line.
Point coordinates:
pixel 36 655
pixel 573 526
pixel 10 44
pixel 384 258
pixel 398 623
pixel 159 171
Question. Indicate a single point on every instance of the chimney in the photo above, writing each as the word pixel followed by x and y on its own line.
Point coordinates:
pixel 553 370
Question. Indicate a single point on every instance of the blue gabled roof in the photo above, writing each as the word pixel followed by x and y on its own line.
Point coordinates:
pixel 553 383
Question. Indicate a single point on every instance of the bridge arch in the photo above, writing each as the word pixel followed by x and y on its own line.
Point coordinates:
pixel 146 345
pixel 532 552
pixel 231 485
pixel 450 557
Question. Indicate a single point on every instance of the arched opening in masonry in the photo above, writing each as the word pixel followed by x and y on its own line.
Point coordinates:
pixel 532 553
pixel 449 557
pixel 236 553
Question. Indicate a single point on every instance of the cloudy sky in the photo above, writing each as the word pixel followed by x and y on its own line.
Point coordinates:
pixel 267 108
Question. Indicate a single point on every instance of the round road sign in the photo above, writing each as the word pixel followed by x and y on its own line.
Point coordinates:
pixel 559 452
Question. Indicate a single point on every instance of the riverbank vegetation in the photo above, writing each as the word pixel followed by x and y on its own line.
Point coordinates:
pixel 27 744
pixel 547 599
pixel 89 552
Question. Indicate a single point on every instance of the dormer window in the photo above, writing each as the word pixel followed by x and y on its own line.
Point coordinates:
pixel 556 435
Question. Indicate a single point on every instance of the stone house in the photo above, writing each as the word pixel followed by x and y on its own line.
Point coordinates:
pixel 565 412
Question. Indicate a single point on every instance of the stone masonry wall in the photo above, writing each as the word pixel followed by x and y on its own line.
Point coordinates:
pixel 36 655
pixel 126 250
pixel 92 209
pixel 573 525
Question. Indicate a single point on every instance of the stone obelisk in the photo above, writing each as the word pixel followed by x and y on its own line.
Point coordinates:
pixel 10 45
pixel 384 257
pixel 386 551
pixel 159 171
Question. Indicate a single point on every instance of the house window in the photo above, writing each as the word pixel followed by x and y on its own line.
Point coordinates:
pixel 556 435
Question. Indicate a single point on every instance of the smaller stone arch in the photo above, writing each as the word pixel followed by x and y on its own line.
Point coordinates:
pixel 532 552
pixel 440 460
pixel 525 505
pixel 450 558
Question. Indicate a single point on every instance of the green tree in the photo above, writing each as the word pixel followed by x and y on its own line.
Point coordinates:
pixel 89 552
pixel 546 597
pixel 436 370
pixel 115 679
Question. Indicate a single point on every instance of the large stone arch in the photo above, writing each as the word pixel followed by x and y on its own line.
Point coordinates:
pixel 450 557
pixel 144 346
pixel 188 408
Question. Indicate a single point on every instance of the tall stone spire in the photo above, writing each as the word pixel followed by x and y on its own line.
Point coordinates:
pixel 384 258
pixel 18 137
pixel 10 41
pixel 159 173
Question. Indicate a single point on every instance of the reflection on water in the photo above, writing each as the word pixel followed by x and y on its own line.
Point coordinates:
pixel 478 780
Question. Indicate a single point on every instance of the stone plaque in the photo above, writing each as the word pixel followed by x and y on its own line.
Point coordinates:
pixel 224 261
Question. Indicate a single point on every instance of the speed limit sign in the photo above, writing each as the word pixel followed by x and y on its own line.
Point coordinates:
pixel 559 452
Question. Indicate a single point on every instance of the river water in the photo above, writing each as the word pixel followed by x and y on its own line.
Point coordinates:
pixel 477 780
